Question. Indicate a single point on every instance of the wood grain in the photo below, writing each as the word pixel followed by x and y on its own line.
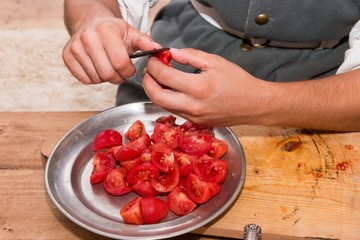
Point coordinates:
pixel 299 184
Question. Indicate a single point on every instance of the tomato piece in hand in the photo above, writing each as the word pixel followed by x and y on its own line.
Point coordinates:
pixel 153 209
pixel 167 181
pixel 210 169
pixel 107 139
pixel 162 157
pixel 131 212
pixel 218 148
pixel 179 203
pixel 115 184
pixel 200 191
pixel 103 163
pixel 133 149
pixel 142 172
pixel 194 143
pixel 136 130
pixel 164 56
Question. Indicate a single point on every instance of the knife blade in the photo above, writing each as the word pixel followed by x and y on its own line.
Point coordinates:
pixel 147 53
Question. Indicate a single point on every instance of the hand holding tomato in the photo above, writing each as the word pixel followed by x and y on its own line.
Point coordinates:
pixel 222 94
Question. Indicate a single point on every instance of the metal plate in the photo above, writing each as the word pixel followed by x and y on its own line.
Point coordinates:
pixel 70 164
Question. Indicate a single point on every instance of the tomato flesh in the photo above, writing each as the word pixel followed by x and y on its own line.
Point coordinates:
pixel 103 163
pixel 136 130
pixel 164 56
pixel 195 143
pixel 218 148
pixel 200 191
pixel 131 212
pixel 179 203
pixel 167 181
pixel 162 157
pixel 115 184
pixel 142 172
pixel 210 169
pixel 107 139
pixel 133 149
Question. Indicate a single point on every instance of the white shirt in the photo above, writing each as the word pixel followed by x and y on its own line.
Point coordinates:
pixel 136 13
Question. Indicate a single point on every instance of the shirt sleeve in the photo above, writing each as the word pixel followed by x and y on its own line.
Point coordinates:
pixel 352 55
pixel 136 12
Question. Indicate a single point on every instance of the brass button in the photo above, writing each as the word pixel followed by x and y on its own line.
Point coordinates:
pixel 245 47
pixel 262 19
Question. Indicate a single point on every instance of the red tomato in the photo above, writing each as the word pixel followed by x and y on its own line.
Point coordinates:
pixel 133 149
pixel 162 157
pixel 167 181
pixel 142 172
pixel 218 148
pixel 164 56
pixel 103 162
pixel 200 191
pixel 115 183
pixel 210 169
pixel 195 143
pixel 170 120
pixel 165 133
pixel 131 212
pixel 136 130
pixel 179 203
pixel 107 139
pixel 184 161
pixel 130 164
pixel 192 127
pixel 145 189
pixel 153 209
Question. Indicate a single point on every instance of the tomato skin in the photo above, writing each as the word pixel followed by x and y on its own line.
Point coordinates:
pixel 162 157
pixel 107 139
pixel 210 169
pixel 200 191
pixel 145 189
pixel 193 143
pixel 218 148
pixel 115 184
pixel 153 209
pixel 103 163
pixel 142 172
pixel 136 130
pixel 179 203
pixel 167 181
pixel 164 56
pixel 131 212
pixel 133 149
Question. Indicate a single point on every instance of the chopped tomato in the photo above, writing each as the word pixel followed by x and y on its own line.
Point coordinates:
pixel 136 130
pixel 200 191
pixel 165 133
pixel 179 203
pixel 184 161
pixel 210 169
pixel 107 139
pixel 130 164
pixel 115 183
pixel 142 172
pixel 153 209
pixel 195 143
pixel 167 181
pixel 162 157
pixel 131 212
pixel 218 148
pixel 164 56
pixel 103 163
pixel 189 126
pixel 170 120
pixel 145 189
pixel 133 149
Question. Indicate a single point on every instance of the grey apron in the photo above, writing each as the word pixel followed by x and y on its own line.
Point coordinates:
pixel 179 25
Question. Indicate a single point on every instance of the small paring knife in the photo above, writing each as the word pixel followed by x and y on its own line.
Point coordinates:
pixel 147 53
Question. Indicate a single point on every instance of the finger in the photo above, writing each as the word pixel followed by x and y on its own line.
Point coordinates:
pixel 195 58
pixel 75 68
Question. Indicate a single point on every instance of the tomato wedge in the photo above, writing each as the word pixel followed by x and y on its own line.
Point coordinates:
pixel 153 209
pixel 164 56
pixel 144 189
pixel 162 157
pixel 115 184
pixel 170 120
pixel 167 181
pixel 179 203
pixel 131 212
pixel 142 172
pixel 210 169
pixel 133 149
pixel 194 143
pixel 107 139
pixel 165 133
pixel 184 162
pixel 136 130
pixel 218 148
pixel 200 191
pixel 103 163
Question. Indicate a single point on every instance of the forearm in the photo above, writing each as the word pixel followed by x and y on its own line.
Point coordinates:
pixel 78 11
pixel 329 103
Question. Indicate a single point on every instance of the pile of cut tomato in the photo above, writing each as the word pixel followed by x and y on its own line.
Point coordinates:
pixel 182 162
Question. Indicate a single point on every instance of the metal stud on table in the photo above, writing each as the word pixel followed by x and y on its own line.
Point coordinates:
pixel 252 232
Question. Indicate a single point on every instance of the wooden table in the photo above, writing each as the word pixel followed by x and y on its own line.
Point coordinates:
pixel 300 184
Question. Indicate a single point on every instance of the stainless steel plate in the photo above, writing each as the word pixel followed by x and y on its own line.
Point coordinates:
pixel 70 164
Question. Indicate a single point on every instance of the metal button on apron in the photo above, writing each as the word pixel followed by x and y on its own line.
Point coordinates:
pixel 262 19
